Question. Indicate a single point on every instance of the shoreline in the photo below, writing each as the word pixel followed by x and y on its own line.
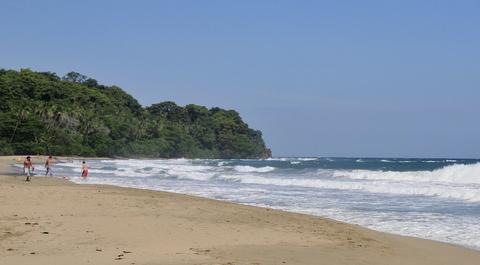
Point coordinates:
pixel 106 224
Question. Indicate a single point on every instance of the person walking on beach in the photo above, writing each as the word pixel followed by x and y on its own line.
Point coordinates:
pixel 84 170
pixel 48 166
pixel 28 168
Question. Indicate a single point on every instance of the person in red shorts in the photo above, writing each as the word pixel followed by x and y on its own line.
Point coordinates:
pixel 84 170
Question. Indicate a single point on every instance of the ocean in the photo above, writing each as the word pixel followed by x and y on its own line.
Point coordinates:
pixel 436 199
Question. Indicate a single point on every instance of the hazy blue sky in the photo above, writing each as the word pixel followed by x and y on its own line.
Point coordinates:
pixel 329 78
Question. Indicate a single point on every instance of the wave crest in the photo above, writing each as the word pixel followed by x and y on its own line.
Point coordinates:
pixel 458 173
pixel 253 169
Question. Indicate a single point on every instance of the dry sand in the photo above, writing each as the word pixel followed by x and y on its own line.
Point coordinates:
pixel 52 221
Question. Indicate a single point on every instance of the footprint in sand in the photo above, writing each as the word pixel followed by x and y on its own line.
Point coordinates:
pixel 198 251
pixel 122 256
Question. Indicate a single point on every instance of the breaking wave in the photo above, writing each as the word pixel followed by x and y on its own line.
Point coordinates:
pixel 458 173
pixel 443 191
pixel 253 169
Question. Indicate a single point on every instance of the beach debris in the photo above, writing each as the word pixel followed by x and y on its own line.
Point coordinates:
pixel 198 251
pixel 32 253
pixel 126 252
pixel 10 249
pixel 45 233
pixel 98 249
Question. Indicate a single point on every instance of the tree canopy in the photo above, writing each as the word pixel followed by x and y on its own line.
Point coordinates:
pixel 41 113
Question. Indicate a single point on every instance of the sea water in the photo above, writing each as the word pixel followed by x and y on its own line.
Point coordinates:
pixel 436 199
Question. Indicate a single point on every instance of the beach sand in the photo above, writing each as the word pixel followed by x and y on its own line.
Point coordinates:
pixel 52 221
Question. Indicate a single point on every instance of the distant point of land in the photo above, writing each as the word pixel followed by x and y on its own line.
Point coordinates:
pixel 41 113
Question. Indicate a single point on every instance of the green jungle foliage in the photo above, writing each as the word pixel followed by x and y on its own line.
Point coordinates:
pixel 41 113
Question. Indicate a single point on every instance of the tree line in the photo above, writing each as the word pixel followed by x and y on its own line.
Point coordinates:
pixel 42 113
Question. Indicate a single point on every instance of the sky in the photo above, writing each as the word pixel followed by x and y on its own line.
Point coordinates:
pixel 318 78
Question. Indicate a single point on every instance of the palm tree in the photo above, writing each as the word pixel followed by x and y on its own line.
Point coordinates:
pixel 22 115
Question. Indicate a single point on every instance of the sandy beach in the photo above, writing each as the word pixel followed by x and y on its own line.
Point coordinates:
pixel 53 221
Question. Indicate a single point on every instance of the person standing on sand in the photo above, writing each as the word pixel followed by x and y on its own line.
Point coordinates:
pixel 28 168
pixel 84 170
pixel 48 166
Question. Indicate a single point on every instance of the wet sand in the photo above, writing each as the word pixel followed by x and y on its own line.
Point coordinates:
pixel 53 221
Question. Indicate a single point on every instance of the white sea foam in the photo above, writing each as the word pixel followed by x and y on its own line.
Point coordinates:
pixel 253 169
pixel 307 159
pixel 401 188
pixel 278 159
pixel 458 173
